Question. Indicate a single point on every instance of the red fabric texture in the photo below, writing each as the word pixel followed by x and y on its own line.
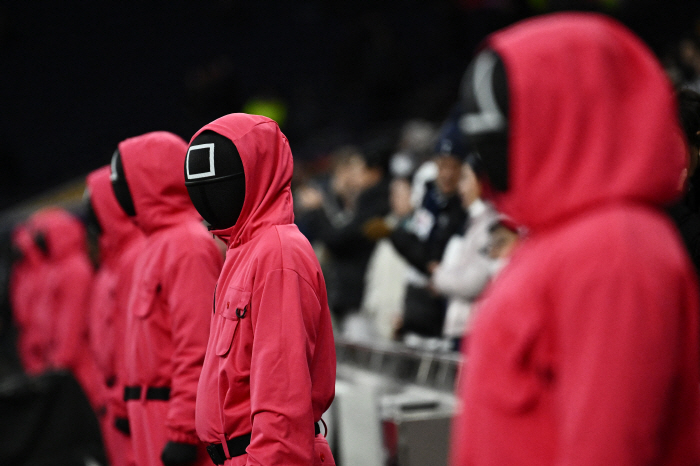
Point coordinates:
pixel 270 363
pixel 118 446
pixel 120 243
pixel 63 305
pixel 173 284
pixel 148 442
pixel 584 350
pixel 26 285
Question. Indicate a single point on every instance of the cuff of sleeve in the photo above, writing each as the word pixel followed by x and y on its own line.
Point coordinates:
pixel 183 437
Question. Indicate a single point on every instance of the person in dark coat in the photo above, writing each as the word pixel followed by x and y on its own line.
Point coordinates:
pixel 349 247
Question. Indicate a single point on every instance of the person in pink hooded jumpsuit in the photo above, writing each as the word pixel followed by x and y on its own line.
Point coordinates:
pixel 26 284
pixel 170 300
pixel 120 244
pixel 269 371
pixel 584 350
pixel 62 307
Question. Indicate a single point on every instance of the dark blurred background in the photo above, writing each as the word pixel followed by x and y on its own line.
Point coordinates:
pixel 78 77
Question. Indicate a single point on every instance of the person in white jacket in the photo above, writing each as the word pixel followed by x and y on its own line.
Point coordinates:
pixel 466 266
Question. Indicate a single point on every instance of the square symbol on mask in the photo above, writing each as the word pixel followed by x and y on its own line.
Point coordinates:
pixel 200 161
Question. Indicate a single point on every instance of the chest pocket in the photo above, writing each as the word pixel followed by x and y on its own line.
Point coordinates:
pixel 146 298
pixel 235 306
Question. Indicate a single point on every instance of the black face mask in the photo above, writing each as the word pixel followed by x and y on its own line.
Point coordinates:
pixel 92 224
pixel 121 188
pixel 41 243
pixel 484 95
pixel 215 179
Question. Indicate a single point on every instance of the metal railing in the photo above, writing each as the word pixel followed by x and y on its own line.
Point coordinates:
pixel 438 370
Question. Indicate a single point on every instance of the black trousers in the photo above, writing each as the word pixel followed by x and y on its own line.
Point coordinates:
pixel 423 313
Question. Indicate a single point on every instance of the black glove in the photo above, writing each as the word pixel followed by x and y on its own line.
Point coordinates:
pixel 122 425
pixel 178 454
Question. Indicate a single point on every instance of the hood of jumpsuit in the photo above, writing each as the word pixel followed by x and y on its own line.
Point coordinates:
pixel 22 239
pixel 268 194
pixel 153 169
pixel 117 228
pixel 64 233
pixel 598 126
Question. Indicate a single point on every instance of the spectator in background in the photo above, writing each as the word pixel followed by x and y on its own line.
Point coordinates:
pixel 385 280
pixel 689 62
pixel 503 237
pixel 421 239
pixel 585 349
pixel 465 268
pixel 120 243
pixel 415 146
pixel 360 176
pixel 686 212
pixel 336 196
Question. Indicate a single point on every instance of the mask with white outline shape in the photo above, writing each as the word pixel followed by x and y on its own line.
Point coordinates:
pixel 215 179
pixel 120 186
pixel 484 94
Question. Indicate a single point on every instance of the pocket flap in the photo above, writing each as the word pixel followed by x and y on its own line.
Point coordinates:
pixel 145 298
pixel 225 337
pixel 234 306
pixel 235 300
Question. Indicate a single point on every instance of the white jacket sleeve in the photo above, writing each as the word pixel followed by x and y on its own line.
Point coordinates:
pixel 465 269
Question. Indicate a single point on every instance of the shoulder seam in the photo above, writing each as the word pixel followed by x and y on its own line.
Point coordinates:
pixel 298 275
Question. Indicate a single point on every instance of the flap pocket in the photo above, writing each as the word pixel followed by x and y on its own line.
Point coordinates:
pixel 234 307
pixel 225 337
pixel 145 300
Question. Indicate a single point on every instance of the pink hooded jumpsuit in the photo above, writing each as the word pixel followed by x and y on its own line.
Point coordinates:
pixel 170 300
pixel 26 285
pixel 270 364
pixel 120 243
pixel 585 349
pixel 63 306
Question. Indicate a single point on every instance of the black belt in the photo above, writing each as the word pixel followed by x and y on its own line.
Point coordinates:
pixel 152 393
pixel 236 447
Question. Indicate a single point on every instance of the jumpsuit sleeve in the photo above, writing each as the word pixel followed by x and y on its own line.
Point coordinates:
pixel 284 327
pixel 71 316
pixel 622 341
pixel 189 287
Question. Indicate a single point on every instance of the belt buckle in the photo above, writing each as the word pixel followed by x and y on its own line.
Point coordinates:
pixel 216 455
